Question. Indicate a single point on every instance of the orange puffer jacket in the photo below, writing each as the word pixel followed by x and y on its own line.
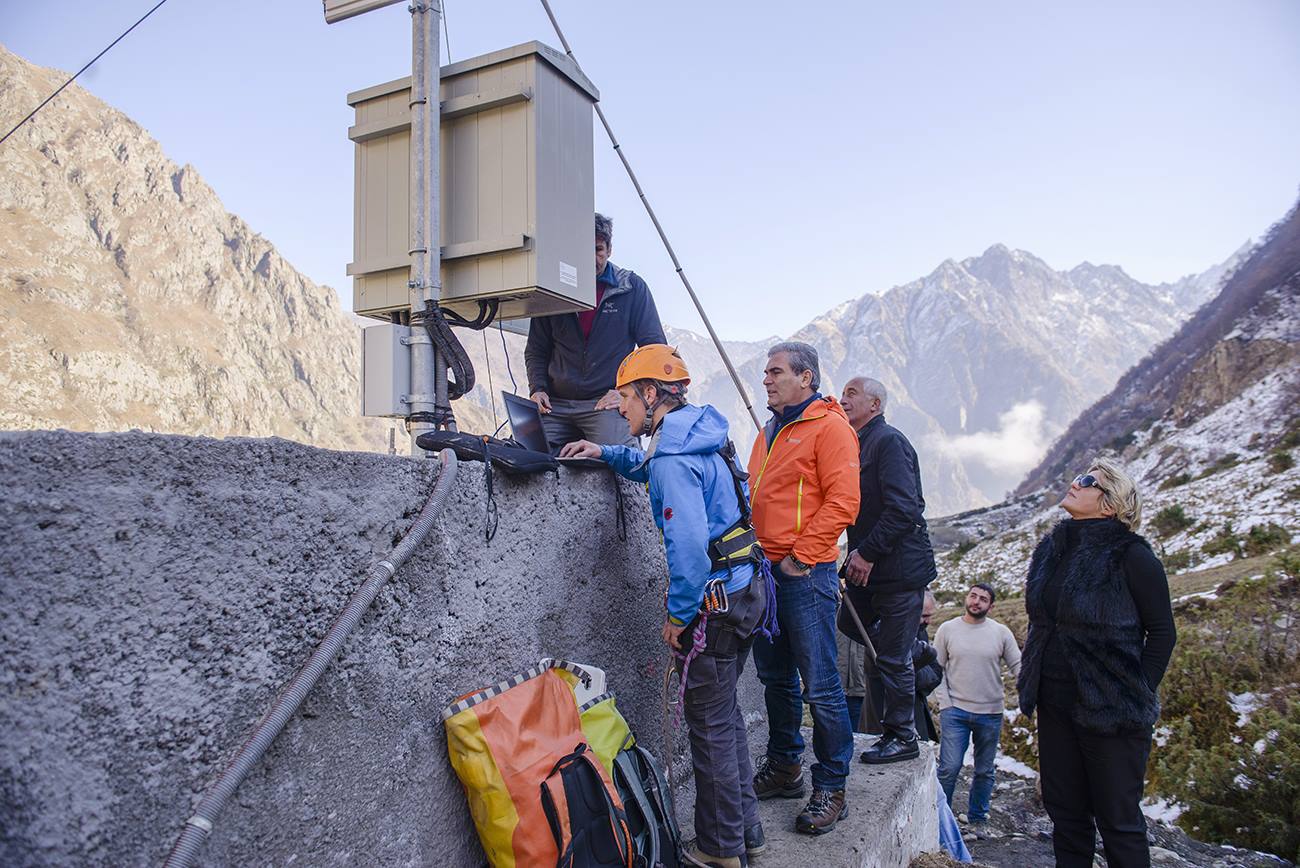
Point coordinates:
pixel 804 486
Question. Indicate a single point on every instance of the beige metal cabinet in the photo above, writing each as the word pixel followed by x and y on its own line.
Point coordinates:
pixel 518 191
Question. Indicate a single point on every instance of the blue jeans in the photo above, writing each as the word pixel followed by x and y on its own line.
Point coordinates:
pixel 957 729
pixel 805 652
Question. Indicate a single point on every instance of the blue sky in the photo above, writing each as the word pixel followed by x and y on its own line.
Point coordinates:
pixel 799 155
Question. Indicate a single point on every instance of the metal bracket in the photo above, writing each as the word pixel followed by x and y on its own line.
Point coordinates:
pixel 418 399
pixel 415 337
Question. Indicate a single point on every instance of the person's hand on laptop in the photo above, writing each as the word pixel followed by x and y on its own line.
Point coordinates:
pixel 542 400
pixel 609 401
pixel 580 449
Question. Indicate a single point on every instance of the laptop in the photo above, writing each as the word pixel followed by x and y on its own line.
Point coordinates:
pixel 526 428
pixel 526 423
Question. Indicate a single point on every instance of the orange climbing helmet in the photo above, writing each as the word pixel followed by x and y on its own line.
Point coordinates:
pixel 652 362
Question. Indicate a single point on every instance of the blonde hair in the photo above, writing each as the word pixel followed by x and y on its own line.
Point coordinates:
pixel 1119 493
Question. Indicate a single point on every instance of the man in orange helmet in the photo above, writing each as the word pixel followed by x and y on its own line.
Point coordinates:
pixel 700 503
pixel 804 472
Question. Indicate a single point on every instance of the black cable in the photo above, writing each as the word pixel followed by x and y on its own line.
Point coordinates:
pixel 492 390
pixel 83 69
pixel 505 350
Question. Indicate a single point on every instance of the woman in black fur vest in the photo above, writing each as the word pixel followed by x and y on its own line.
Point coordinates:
pixel 1100 634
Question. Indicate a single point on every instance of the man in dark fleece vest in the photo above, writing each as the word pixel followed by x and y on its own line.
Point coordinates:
pixel 572 359
pixel 890 560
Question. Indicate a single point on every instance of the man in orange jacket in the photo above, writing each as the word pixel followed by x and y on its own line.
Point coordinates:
pixel 804 489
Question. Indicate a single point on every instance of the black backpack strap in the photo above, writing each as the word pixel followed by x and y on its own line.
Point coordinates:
pixel 738 478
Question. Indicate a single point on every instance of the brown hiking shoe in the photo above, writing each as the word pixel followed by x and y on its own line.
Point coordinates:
pixel 773 780
pixel 824 810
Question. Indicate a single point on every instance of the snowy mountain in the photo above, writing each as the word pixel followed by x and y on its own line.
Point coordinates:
pixel 1208 424
pixel 986 360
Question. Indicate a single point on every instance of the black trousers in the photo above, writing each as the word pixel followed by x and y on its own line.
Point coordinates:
pixel 899 614
pixel 1093 783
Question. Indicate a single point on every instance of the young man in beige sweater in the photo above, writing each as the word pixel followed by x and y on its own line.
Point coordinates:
pixel 972 650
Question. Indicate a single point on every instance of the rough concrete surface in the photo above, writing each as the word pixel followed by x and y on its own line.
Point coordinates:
pixel 892 813
pixel 157 590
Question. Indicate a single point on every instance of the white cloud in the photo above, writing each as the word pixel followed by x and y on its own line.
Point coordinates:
pixel 1014 448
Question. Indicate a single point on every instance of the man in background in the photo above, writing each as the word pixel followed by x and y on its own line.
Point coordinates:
pixel 925 663
pixel 572 358
pixel 890 561
pixel 972 651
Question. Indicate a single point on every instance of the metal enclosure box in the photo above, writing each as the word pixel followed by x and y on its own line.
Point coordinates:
pixel 518 187
pixel 385 370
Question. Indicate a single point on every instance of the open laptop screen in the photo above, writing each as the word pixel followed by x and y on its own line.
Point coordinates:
pixel 525 423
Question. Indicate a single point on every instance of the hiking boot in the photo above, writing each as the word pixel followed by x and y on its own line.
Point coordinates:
pixel 892 749
pixel 755 842
pixel 696 856
pixel 776 780
pixel 823 811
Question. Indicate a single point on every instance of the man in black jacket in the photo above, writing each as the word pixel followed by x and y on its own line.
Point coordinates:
pixel 572 359
pixel 890 560
pixel 925 663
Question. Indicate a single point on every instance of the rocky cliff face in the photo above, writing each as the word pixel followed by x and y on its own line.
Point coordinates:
pixel 987 359
pixel 130 298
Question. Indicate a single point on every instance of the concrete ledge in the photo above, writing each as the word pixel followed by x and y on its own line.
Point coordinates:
pixel 157 591
pixel 893 816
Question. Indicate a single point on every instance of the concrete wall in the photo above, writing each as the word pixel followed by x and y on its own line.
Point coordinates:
pixel 157 590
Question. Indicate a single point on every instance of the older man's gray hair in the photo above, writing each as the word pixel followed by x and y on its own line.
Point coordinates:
pixel 875 389
pixel 803 357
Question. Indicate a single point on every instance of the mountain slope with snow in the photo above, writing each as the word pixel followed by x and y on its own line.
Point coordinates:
pixel 986 359
pixel 1208 425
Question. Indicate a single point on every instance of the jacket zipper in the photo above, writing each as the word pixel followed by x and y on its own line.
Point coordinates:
pixel 798 508
pixel 753 492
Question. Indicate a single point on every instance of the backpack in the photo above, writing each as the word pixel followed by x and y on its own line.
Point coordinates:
pixel 585 814
pixel 651 816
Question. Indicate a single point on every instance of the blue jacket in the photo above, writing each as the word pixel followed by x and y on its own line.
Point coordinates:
pixel 564 364
pixel 693 498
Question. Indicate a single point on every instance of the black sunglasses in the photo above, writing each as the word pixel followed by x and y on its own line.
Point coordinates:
pixel 1087 480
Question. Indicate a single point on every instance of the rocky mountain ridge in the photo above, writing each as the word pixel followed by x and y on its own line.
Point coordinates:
pixel 986 359
pixel 1208 425
pixel 130 297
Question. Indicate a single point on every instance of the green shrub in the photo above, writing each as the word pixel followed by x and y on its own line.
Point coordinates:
pixel 1229 460
pixel 1123 441
pixel 1176 480
pixel 1265 538
pixel 1280 461
pixel 959 552
pixel 1291 438
pixel 1180 560
pixel 1171 520
pixel 1226 541
pixel 1239 784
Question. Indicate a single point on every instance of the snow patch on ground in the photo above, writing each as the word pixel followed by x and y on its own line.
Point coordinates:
pixel 1161 810
pixel 1014 766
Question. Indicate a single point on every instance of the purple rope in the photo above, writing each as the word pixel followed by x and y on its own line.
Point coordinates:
pixel 768 627
pixel 698 638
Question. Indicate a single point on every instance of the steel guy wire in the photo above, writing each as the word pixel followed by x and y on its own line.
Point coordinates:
pixel 80 71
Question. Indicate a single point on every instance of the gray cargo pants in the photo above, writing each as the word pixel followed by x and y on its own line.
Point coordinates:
pixel 725 804
pixel 580 420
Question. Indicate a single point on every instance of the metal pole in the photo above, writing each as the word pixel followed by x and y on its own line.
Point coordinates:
pixel 663 236
pixel 425 283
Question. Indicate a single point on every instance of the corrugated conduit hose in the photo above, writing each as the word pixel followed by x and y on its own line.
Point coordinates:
pixel 185 851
